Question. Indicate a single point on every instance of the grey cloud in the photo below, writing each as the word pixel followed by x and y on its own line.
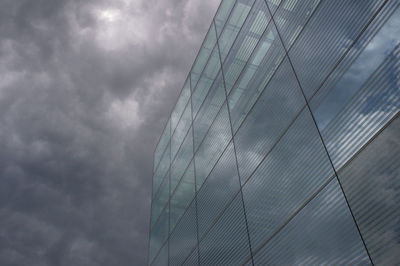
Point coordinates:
pixel 80 114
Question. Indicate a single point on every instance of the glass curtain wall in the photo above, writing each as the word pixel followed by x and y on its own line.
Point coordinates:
pixel 284 144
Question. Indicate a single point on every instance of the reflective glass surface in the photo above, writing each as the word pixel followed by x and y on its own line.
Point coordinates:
pixel 322 233
pixel 283 146
pixel 249 36
pixel 296 168
pixel 282 100
pixel 184 237
pixel 213 145
pixel 371 182
pixel 227 242
pixel 220 187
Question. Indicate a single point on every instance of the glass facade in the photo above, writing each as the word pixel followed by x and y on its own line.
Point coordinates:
pixel 284 145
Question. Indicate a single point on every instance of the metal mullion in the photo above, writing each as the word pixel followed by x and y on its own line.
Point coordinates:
pixel 234 146
pixel 248 61
pixel 195 175
pixel 158 252
pixel 158 188
pixel 180 178
pixel 227 205
pixel 158 165
pixel 229 202
pixel 242 30
pixel 319 133
pixel 191 68
pixel 272 235
pixel 217 74
pixel 170 142
pixel 222 30
pixel 177 124
pixel 169 189
pixel 217 38
pixel 188 76
pixel 255 102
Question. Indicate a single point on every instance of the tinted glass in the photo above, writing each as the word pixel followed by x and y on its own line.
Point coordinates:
pixel 291 173
pixel 371 182
pixel 321 233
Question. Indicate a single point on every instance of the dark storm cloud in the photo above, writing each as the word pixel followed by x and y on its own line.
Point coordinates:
pixel 85 90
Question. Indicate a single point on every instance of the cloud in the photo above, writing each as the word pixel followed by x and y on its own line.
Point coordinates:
pixel 86 88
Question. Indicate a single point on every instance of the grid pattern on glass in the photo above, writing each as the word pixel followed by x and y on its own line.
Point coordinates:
pixel 329 33
pixel 281 99
pixel 159 234
pixel 204 53
pixel 183 238
pixel 182 196
pixel 182 160
pixel 259 70
pixel 250 33
pixel 322 233
pixel 162 144
pixel 214 143
pixel 208 110
pixel 180 105
pixel 371 182
pixel 233 26
pixel 295 168
pixel 218 189
pixel 162 169
pixel 160 200
pixel 358 64
pixel 226 243
pixel 250 117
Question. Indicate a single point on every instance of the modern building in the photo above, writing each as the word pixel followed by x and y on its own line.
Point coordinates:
pixel 284 144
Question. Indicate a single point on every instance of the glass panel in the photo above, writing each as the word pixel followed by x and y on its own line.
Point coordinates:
pixel 223 13
pixel 209 110
pixel 218 189
pixel 182 160
pixel 159 234
pixel 160 200
pixel 266 58
pixel 213 65
pixel 371 182
pixel 182 196
pixel 207 79
pixel 162 257
pixel 323 233
pixel 184 238
pixel 161 146
pixel 231 30
pixel 275 110
pixel 370 79
pixel 375 103
pixel 193 259
pixel 161 170
pixel 213 145
pixel 181 130
pixel 245 43
pixel 273 5
pixel 291 17
pixel 180 105
pixel 203 55
pixel 227 241
pixel 291 173
pixel 329 34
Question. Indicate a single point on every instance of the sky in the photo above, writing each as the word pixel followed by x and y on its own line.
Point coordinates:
pixel 85 90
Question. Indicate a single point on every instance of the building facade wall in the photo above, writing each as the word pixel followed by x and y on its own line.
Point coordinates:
pixel 284 144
